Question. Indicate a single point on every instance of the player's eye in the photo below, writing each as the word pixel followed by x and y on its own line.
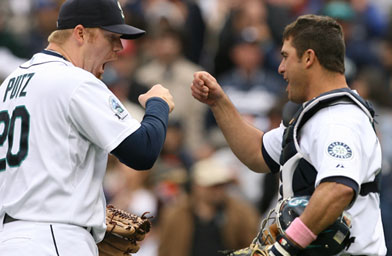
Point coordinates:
pixel 112 38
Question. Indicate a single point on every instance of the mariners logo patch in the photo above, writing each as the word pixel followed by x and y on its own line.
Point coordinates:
pixel 340 150
pixel 117 108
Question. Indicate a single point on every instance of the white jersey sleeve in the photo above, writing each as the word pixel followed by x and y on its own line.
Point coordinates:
pixel 338 143
pixel 272 143
pixel 100 116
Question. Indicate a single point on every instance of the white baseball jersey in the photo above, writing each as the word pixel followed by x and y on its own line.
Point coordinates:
pixel 339 141
pixel 57 125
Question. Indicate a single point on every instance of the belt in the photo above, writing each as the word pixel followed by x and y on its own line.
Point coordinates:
pixel 8 219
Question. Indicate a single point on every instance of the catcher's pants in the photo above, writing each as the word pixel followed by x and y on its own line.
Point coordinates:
pixel 25 238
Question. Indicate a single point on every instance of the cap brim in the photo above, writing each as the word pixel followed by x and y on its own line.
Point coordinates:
pixel 127 31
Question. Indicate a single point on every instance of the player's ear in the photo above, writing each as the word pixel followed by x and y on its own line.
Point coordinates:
pixel 79 34
pixel 309 57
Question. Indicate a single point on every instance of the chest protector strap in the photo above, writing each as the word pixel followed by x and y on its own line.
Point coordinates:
pixel 295 169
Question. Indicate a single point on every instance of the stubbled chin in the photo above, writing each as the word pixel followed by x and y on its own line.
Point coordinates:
pixel 288 91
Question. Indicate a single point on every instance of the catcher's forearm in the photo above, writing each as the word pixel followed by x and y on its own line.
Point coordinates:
pixel 326 204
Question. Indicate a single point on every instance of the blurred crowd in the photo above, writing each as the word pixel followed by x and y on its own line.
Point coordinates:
pixel 202 198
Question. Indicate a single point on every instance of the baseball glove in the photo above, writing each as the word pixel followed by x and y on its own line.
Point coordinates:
pixel 123 232
pixel 264 239
pixel 252 250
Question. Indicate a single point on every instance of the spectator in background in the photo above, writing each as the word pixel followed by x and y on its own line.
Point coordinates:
pixel 8 62
pixel 174 157
pixel 250 85
pixel 216 13
pixel 370 21
pixel 8 40
pixel 19 17
pixel 249 15
pixel 11 51
pixel 384 6
pixel 183 15
pixel 130 190
pixel 282 12
pixel 174 152
pixel 44 18
pixel 361 27
pixel 386 57
pixel 209 219
pixel 169 184
pixel 170 67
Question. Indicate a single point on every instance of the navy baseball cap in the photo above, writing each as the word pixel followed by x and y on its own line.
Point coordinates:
pixel 105 14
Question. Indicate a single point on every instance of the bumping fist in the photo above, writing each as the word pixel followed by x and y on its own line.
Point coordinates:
pixel 157 91
pixel 206 89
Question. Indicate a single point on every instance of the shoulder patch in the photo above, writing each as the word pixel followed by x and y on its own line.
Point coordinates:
pixel 117 108
pixel 339 150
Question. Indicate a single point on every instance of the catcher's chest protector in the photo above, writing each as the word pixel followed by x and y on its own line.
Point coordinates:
pixel 300 175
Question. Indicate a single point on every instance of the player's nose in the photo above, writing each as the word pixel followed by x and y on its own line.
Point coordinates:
pixel 118 46
pixel 281 68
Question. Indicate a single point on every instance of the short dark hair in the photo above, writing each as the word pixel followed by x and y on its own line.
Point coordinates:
pixel 322 34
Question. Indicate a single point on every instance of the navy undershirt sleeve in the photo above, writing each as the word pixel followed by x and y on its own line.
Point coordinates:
pixel 345 181
pixel 141 149
pixel 273 166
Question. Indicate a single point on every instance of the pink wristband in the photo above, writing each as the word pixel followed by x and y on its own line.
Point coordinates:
pixel 300 233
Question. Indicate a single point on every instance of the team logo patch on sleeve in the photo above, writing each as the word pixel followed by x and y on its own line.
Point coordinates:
pixel 340 150
pixel 117 108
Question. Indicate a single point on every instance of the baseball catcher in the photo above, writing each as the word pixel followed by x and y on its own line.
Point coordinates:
pixel 272 239
pixel 123 232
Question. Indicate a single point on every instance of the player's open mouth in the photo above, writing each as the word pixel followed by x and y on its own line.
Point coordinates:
pixel 103 68
pixel 100 71
pixel 104 64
